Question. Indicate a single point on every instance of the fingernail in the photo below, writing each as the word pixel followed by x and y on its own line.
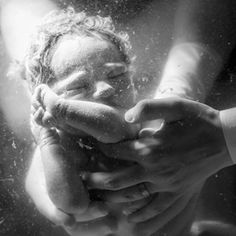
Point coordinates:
pixel 146 132
pixel 129 117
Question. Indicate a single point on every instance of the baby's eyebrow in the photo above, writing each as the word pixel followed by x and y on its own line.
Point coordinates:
pixel 80 77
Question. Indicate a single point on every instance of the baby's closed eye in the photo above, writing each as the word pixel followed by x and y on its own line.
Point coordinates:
pixel 115 69
pixel 76 81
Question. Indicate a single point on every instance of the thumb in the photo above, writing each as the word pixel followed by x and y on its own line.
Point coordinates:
pixel 169 109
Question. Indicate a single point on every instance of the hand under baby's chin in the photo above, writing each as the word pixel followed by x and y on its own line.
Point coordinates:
pixel 117 111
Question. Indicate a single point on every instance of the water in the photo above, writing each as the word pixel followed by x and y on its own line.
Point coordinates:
pixel 17 213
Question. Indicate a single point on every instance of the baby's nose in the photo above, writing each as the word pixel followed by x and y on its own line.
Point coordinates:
pixel 103 90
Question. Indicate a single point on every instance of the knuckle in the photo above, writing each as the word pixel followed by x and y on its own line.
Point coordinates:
pixel 144 105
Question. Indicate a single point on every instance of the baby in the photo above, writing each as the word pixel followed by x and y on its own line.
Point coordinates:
pixel 85 65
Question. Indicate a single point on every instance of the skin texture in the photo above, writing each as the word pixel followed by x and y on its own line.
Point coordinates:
pixel 170 165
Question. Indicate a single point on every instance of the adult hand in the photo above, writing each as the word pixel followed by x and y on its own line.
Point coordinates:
pixel 173 160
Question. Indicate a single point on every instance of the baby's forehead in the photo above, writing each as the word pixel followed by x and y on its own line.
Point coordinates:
pixel 74 52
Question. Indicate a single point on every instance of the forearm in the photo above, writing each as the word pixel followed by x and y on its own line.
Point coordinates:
pixel 103 122
pixel 204 38
pixel 189 72
pixel 63 181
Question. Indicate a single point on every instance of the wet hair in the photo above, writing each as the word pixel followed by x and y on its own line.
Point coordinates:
pixel 56 24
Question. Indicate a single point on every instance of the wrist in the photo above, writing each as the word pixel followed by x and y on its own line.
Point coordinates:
pixel 173 89
pixel 48 137
pixel 190 71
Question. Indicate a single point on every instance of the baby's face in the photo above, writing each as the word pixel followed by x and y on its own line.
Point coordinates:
pixel 81 66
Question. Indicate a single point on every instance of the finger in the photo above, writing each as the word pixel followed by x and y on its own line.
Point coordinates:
pixel 159 203
pixel 216 227
pixel 156 223
pixel 123 150
pixel 95 210
pixel 115 69
pixel 117 180
pixel 36 98
pixel 48 120
pixel 130 194
pixel 100 227
pixel 130 207
pixel 35 103
pixel 38 115
pixel 169 109
pixel 140 150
